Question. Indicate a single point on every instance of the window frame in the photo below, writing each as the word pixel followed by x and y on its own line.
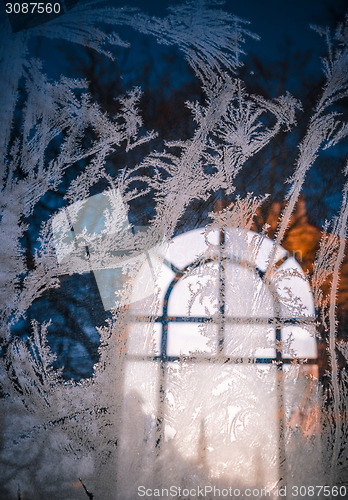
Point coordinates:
pixel 276 321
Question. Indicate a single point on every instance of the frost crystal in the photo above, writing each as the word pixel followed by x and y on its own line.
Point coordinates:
pixel 219 360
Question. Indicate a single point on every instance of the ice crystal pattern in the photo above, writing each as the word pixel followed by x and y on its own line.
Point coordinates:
pixel 170 402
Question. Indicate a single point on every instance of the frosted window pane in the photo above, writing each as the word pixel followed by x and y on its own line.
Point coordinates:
pixel 186 338
pixel 249 341
pixel 141 377
pixel 137 432
pixel 299 300
pixel 222 410
pixel 302 404
pixel 246 295
pixel 298 343
pixel 144 339
pixel 197 294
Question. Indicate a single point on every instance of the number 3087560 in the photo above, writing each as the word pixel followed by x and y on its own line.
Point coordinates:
pixel 32 8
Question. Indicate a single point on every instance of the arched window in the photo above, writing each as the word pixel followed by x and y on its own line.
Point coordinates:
pixel 218 361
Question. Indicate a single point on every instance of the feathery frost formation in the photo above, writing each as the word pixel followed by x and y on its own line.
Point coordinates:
pixel 187 402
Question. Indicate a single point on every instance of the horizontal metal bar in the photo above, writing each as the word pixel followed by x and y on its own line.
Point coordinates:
pixel 303 320
pixel 222 359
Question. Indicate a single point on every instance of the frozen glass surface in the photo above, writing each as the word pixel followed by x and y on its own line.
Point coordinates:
pixel 191 339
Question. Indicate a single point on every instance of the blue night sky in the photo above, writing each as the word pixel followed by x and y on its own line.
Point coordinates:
pixel 272 20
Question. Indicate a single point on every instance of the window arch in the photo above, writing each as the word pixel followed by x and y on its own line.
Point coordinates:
pixel 218 352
